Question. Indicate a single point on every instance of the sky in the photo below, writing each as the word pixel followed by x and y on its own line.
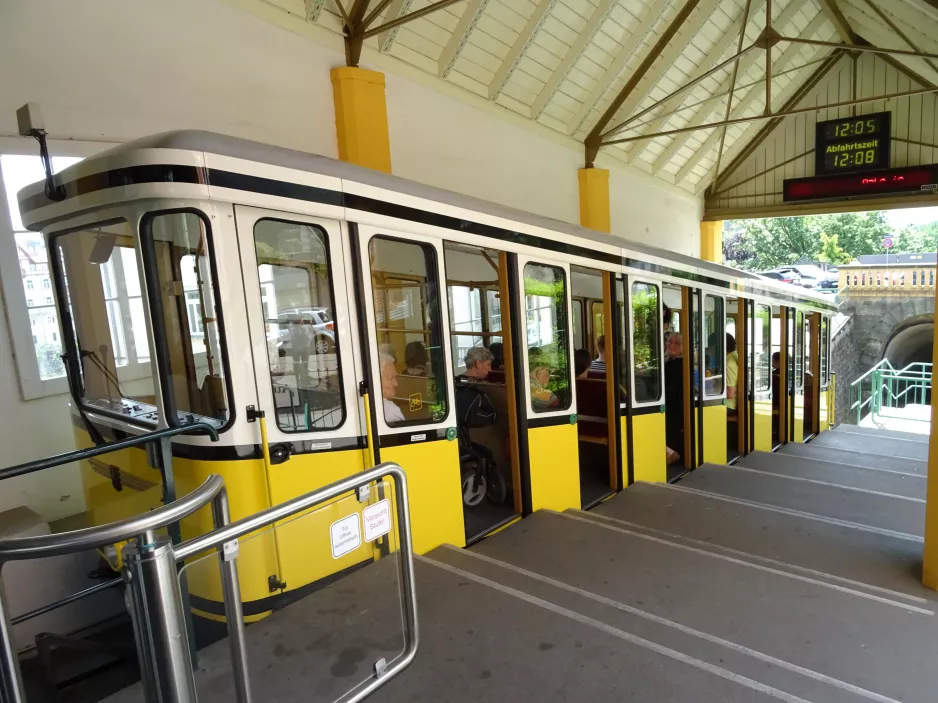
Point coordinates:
pixel 912 216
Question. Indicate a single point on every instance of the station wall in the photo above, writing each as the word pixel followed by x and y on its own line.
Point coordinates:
pixel 108 71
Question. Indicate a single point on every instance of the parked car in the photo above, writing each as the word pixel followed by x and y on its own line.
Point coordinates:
pixel 311 328
pixel 806 275
pixel 786 276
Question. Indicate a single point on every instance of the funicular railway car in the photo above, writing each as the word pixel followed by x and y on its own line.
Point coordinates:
pixel 324 317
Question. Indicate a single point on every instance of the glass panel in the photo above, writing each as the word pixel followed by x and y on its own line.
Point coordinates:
pixel 825 349
pixel 494 309
pixel 646 342
pixel 545 295
pixel 465 316
pixel 598 322
pixel 302 343
pixel 579 339
pixel 34 268
pixel 177 244
pixel 407 319
pixel 714 355
pixel 98 282
pixel 336 632
pixel 624 346
pixel 763 348
pixel 799 350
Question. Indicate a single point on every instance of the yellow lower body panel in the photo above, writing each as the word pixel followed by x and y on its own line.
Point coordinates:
pixel 553 456
pixel 434 492
pixel 762 426
pixel 714 434
pixel 648 450
pixel 797 433
pixel 823 414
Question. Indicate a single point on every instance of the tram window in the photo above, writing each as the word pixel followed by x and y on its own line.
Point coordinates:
pixel 825 350
pixel 597 320
pixel 799 349
pixel 407 319
pixel 99 276
pixel 622 348
pixel 646 342
pixel 579 339
pixel 192 364
pixel 302 340
pixel 545 295
pixel 763 345
pixel 715 336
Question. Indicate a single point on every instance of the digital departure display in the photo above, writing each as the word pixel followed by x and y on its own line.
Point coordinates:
pixel 896 181
pixel 854 144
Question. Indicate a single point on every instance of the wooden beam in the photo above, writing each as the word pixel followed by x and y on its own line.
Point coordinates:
pixel 520 47
pixel 674 51
pixel 792 52
pixel 314 9
pixel 869 29
pixel 791 103
pixel 457 41
pixel 655 13
pixel 410 17
pixel 584 39
pixel 594 138
pixel 709 60
pixel 902 35
pixel 707 108
pixel 830 8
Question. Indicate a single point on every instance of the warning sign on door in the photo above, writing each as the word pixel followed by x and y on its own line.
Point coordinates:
pixel 377 519
pixel 346 535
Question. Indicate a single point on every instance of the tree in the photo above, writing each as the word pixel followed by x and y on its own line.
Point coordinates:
pixel 831 251
pixel 917 239
pixel 765 244
pixel 858 233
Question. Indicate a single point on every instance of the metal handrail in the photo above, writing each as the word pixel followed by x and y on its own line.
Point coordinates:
pixel 80 454
pixel 225 535
pixel 884 375
pixel 19 548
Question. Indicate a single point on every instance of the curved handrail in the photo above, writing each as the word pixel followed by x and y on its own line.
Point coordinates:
pixel 100 536
pixel 80 454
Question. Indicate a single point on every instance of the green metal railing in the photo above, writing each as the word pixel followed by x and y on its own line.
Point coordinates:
pixel 884 386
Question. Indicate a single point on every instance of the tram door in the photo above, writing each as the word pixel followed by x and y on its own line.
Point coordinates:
pixel 735 371
pixel 545 384
pixel 710 351
pixel 303 342
pixel 403 300
pixel 797 366
pixel 759 351
pixel 595 383
pixel 781 375
pixel 483 382
pixel 825 404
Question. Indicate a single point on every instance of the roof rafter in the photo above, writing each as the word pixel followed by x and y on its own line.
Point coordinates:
pixel 460 35
pixel 710 60
pixel 313 9
pixel 831 9
pixel 615 68
pixel 668 57
pixel 396 9
pixel 520 47
pixel 739 111
pixel 871 29
pixel 700 117
pixel 583 40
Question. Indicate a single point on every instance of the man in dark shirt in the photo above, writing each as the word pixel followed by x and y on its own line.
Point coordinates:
pixel 674 397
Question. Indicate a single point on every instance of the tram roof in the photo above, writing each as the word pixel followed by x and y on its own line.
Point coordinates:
pixel 258 152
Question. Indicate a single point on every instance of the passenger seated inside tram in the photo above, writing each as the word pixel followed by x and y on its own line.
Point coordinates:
pixel 590 391
pixel 581 363
pixel 497 374
pixel 732 374
pixel 392 413
pixel 598 366
pixel 542 398
pixel 478 364
pixel 417 360
pixel 674 398
pixel 474 410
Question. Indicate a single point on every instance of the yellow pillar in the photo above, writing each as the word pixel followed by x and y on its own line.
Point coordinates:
pixel 594 199
pixel 711 241
pixel 930 559
pixel 361 117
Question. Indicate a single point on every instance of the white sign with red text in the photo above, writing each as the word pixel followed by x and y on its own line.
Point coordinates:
pixel 377 519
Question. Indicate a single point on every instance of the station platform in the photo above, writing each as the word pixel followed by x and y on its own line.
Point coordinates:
pixel 788 577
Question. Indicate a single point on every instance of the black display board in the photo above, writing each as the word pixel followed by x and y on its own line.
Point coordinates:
pixel 853 144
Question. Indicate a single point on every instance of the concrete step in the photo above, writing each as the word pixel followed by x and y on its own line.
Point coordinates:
pixel 902 515
pixel 864 558
pixel 855 458
pixel 890 446
pixel 882 432
pixel 789 633
pixel 908 485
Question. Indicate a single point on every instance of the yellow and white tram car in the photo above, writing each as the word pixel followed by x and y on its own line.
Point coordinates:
pixel 325 313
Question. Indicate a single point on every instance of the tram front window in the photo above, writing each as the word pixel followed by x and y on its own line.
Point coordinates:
pixel 646 342
pixel 181 284
pixel 98 274
pixel 302 340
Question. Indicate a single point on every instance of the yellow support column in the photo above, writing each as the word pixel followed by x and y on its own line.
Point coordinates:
pixel 711 241
pixel 361 117
pixel 930 560
pixel 594 199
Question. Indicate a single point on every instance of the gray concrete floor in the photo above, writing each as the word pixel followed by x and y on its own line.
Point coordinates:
pixel 812 450
pixel 733 585
pixel 870 444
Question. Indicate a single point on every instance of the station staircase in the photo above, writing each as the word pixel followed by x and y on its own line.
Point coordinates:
pixel 792 576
